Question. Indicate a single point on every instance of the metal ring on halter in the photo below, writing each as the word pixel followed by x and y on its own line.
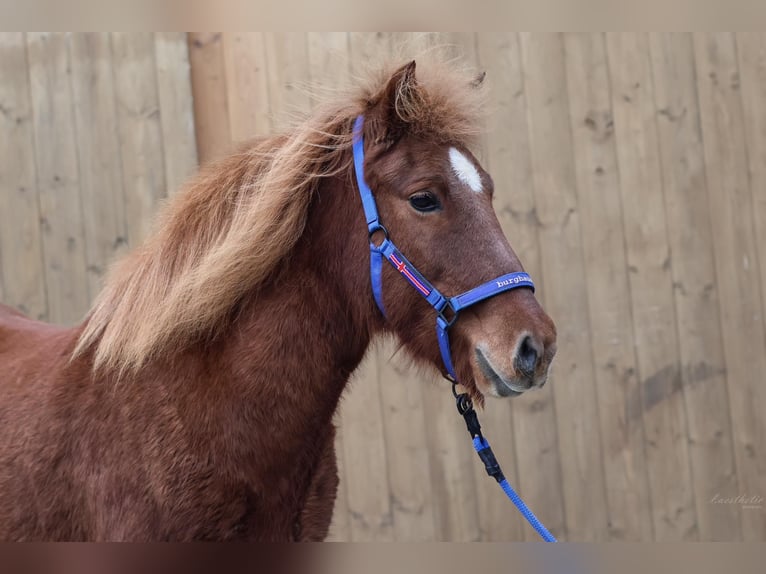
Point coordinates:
pixel 378 229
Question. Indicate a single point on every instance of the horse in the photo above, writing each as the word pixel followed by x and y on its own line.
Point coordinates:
pixel 196 399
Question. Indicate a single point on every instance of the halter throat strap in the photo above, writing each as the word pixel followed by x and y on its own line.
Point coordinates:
pixel 447 308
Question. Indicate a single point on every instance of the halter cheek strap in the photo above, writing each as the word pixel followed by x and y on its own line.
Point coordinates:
pixel 447 308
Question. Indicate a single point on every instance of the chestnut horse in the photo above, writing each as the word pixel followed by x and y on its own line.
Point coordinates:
pixel 196 399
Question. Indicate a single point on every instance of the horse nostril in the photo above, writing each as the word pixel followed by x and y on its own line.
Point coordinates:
pixel 527 356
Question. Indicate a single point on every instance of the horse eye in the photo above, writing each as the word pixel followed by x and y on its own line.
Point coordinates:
pixel 425 202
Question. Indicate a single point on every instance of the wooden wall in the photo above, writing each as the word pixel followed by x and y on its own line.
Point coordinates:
pixel 631 179
pixel 95 129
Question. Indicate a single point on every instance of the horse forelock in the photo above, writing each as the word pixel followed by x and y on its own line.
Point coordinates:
pixel 227 229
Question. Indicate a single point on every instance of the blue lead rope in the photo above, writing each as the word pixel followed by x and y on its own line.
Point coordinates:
pixel 481 444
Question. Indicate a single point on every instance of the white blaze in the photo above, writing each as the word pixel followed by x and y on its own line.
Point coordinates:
pixel 465 170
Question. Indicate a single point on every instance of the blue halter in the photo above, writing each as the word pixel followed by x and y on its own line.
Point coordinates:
pixel 447 308
pixel 447 311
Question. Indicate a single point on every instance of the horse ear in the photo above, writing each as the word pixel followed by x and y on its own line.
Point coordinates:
pixel 478 80
pixel 396 107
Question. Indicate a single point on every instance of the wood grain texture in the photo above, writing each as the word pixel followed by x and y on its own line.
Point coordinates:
pixel 661 398
pixel 736 260
pixel 367 488
pixel 138 116
pixel 21 243
pixel 58 184
pixel 287 65
pixel 611 321
pixel 176 108
pixel 98 143
pixel 566 301
pixel 703 367
pixel 208 85
pixel 751 52
pixel 247 88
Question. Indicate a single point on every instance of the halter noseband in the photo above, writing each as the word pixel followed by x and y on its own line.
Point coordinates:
pixel 447 308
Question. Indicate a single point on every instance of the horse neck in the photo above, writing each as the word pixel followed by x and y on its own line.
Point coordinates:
pixel 316 316
pixel 282 366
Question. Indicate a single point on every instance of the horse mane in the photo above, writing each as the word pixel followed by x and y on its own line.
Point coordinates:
pixel 227 229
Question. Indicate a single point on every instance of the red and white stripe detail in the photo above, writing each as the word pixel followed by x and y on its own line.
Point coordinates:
pixel 402 268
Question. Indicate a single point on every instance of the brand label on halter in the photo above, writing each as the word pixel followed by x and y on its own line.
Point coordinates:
pixel 512 281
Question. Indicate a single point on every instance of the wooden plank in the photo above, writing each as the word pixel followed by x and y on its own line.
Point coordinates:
pixel 138 115
pixel 247 85
pixel 404 427
pixel 367 488
pixel 627 487
pixel 288 77
pixel 751 53
pixel 537 474
pixel 329 62
pixel 696 298
pixel 565 293
pixel 21 244
pixel 176 108
pixel 58 177
pixel 736 261
pixel 98 147
pixel 208 78
pixel 460 45
pixel 651 287
pixel 405 431
pixel 751 50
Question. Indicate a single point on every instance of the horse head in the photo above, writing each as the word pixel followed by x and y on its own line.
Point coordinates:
pixel 435 201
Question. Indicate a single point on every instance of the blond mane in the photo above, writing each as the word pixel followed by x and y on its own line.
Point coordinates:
pixel 227 229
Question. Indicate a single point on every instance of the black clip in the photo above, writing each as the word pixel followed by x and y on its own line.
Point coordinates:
pixel 465 408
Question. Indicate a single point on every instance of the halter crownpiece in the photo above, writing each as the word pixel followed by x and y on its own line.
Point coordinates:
pixel 447 311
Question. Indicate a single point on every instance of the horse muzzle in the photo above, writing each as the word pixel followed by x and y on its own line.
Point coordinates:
pixel 529 368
